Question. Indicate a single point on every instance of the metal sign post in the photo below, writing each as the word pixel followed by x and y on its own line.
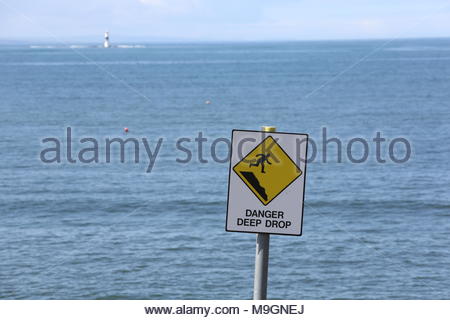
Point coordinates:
pixel 262 257
pixel 261 266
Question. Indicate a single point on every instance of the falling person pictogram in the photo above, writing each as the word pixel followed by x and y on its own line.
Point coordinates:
pixel 260 161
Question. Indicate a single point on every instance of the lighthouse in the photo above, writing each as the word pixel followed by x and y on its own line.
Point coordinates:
pixel 106 43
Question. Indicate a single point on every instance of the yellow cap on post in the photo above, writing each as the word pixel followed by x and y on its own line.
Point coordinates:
pixel 268 129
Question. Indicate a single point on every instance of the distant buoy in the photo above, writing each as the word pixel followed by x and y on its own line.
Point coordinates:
pixel 125 129
pixel 208 102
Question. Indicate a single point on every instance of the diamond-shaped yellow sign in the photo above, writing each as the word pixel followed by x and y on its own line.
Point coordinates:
pixel 267 170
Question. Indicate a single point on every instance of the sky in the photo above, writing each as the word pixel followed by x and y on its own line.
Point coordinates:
pixel 225 20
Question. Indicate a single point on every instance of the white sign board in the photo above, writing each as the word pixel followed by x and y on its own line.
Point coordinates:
pixel 266 186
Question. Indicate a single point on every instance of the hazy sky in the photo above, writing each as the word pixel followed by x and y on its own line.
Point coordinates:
pixel 86 20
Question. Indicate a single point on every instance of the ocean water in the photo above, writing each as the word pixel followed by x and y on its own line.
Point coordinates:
pixel 112 231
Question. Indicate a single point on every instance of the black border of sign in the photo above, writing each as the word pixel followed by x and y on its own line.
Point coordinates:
pixel 230 171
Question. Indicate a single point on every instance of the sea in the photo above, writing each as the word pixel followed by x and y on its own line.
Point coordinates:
pixel 372 229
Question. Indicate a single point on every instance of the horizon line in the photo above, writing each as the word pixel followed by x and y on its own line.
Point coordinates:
pixel 193 41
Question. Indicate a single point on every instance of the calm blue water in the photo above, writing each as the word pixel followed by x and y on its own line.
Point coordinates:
pixel 109 231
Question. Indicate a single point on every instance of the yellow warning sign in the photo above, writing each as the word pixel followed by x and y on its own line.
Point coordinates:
pixel 267 170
